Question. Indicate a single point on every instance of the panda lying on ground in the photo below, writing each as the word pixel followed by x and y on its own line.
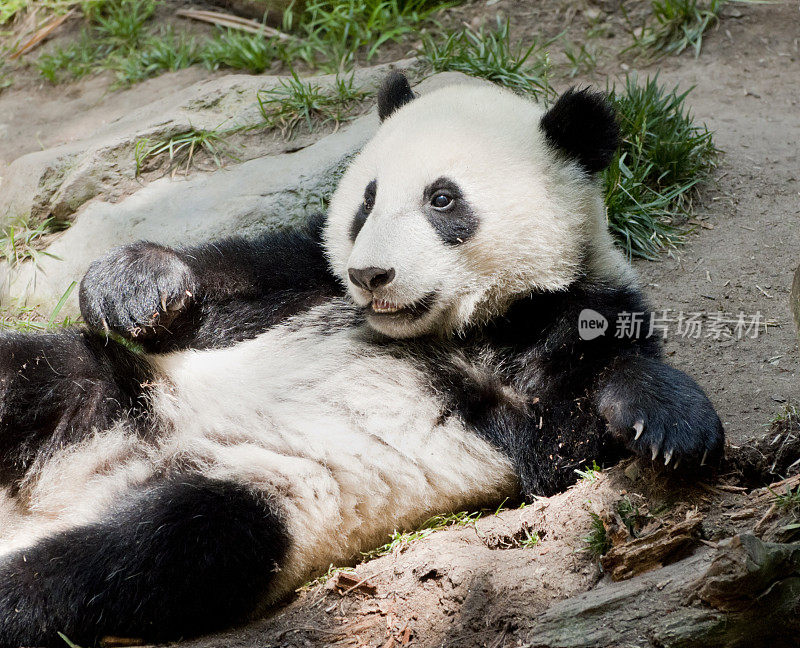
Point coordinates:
pixel 305 393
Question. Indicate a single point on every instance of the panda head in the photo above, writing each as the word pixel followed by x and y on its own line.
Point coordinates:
pixel 467 198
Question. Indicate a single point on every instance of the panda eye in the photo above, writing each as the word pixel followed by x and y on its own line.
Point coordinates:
pixel 369 196
pixel 441 200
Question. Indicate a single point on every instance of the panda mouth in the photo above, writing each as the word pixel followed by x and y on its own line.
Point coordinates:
pixel 385 308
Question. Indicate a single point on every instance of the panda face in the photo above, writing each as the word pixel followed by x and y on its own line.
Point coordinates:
pixel 458 205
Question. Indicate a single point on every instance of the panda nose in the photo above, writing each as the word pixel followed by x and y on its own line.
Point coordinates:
pixel 371 278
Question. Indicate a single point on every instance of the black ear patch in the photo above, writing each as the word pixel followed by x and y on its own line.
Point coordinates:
pixel 583 125
pixel 394 93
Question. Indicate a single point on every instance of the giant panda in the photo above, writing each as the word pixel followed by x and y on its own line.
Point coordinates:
pixel 298 396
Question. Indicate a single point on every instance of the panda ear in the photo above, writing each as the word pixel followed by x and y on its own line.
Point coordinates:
pixel 582 124
pixel 394 93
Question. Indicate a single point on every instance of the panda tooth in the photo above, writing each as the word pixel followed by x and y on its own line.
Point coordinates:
pixel 383 306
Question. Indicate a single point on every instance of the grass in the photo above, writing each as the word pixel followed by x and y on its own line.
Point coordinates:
pixel 240 51
pixel 582 59
pixel 652 181
pixel 589 473
pixel 400 540
pixel 181 148
pixel 676 25
pixel 294 102
pixel 530 540
pixel 121 23
pixel 21 240
pixel 73 61
pixel 321 580
pixel 5 80
pixel 330 35
pixel 10 8
pixel 68 641
pixel 790 414
pixel 30 319
pixel 324 34
pixel 113 39
pixel 164 52
pixel 491 54
pixel 597 542
pixel 789 500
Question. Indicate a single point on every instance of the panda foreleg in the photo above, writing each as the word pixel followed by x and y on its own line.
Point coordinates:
pixel 659 412
pixel 206 296
pixel 184 556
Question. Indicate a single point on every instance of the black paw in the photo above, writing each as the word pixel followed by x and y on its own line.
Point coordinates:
pixel 661 413
pixel 136 290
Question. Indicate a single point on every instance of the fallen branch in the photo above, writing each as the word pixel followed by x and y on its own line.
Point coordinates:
pixel 41 34
pixel 233 22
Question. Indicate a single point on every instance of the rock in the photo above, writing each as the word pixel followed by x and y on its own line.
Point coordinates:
pixel 58 181
pixel 794 299
pixel 275 189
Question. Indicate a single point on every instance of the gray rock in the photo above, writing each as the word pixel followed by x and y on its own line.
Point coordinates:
pixel 58 181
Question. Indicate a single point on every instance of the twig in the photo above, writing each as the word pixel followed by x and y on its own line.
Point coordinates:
pixel 232 22
pixel 364 580
pixel 40 35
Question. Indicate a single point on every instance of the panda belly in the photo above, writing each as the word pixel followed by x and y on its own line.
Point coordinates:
pixel 349 439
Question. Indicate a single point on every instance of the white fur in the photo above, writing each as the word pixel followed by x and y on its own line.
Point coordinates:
pixel 347 439
pixel 537 213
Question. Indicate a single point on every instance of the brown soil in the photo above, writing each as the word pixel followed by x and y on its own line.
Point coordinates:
pixel 476 586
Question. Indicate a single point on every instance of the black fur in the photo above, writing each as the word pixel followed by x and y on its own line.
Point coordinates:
pixel 676 415
pixel 237 288
pixel 583 126
pixel 456 224
pixel 364 209
pixel 185 556
pixel 531 385
pixel 55 388
pixel 394 93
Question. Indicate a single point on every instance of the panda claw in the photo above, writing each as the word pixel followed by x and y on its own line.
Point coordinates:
pixel 703 462
pixel 667 457
pixel 654 448
pixel 675 465
pixel 639 427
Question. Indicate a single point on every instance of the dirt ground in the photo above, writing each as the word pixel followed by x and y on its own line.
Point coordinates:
pixel 743 256
pixel 456 588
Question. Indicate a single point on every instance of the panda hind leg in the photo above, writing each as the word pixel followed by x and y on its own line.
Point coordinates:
pixel 185 556
pixel 55 388
pixel 659 412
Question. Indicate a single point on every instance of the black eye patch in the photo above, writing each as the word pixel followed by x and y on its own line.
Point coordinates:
pixel 449 212
pixel 364 209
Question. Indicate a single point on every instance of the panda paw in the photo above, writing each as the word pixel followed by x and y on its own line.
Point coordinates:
pixel 136 290
pixel 661 413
